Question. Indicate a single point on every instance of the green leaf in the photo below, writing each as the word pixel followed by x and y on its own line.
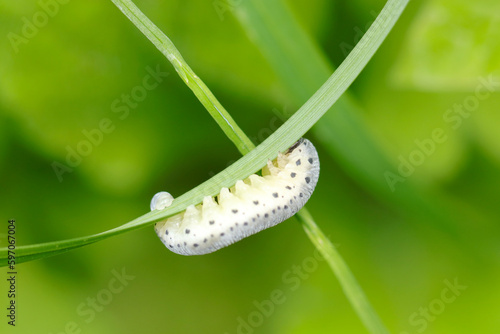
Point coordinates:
pixel 302 68
pixel 202 92
pixel 284 137
pixel 352 289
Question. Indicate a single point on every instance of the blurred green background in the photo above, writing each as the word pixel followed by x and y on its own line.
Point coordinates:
pixel 63 77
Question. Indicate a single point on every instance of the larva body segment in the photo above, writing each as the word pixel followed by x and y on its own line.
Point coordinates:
pixel 250 206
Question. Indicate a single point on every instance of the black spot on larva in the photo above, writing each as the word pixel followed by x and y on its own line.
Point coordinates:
pixel 256 202
pixel 286 207
pixel 211 235
pixel 231 228
pixel 178 245
pixel 235 211
pixel 195 245
pixel 291 201
pixel 301 195
pixel 310 160
pixel 253 219
pixel 211 222
pixel 293 175
pixel 246 223
pixel 222 234
pixel 187 231
pixel 266 215
pixel 205 240
pixel 308 179
pixel 185 243
pixel 236 224
pixel 288 187
pixel 279 207
pixel 258 215
pixel 274 211
pixel 170 246
pixel 298 162
pixel 275 195
pixel 166 232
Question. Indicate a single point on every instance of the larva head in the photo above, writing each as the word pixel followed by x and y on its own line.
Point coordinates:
pixel 161 201
pixel 302 157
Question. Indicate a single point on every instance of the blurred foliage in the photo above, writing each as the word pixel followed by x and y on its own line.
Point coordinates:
pixel 65 79
pixel 450 44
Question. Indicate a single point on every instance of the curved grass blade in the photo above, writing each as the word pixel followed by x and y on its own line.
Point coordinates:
pixel 352 289
pixel 202 92
pixel 280 140
pixel 302 68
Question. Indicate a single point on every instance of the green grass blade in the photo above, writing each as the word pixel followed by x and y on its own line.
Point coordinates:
pixel 280 140
pixel 347 280
pixel 302 68
pixel 350 285
pixel 291 53
pixel 202 92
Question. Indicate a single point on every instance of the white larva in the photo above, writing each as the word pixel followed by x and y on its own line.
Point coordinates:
pixel 252 205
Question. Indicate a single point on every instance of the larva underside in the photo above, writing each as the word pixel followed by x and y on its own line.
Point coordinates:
pixel 252 205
